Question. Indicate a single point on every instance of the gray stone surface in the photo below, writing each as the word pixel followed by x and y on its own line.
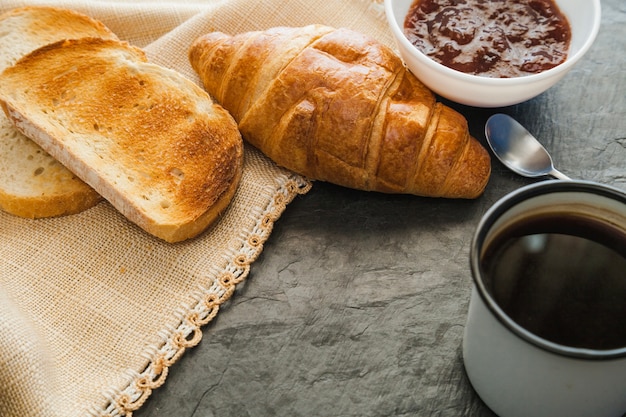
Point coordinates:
pixel 358 303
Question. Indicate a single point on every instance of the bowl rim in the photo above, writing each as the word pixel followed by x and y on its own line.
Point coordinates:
pixel 562 68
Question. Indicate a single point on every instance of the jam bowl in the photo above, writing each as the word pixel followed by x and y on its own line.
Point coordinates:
pixel 489 91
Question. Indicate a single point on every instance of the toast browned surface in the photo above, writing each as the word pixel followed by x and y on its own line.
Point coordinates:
pixel 148 140
pixel 32 183
pixel 335 105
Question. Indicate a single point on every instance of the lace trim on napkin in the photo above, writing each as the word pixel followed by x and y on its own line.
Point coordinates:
pixel 189 333
pixel 222 286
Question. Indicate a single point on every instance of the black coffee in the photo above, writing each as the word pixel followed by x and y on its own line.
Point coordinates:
pixel 563 278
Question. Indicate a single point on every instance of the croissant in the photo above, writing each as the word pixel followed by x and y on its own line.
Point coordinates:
pixel 337 106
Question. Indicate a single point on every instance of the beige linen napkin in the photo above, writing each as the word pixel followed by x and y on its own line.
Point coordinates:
pixel 93 311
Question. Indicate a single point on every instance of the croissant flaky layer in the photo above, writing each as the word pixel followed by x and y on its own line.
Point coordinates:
pixel 337 106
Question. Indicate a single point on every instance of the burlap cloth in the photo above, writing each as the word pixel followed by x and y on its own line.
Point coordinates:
pixel 93 311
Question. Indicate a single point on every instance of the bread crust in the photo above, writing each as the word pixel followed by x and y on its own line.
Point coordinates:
pixel 338 106
pixel 32 183
pixel 148 140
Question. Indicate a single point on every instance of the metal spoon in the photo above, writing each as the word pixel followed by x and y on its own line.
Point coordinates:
pixel 516 148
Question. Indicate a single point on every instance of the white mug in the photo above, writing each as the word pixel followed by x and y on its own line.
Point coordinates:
pixel 524 352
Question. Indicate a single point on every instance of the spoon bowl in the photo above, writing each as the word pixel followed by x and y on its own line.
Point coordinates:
pixel 516 148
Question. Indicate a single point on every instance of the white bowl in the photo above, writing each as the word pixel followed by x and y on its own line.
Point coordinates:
pixel 479 91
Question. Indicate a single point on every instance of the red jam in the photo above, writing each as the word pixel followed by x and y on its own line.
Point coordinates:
pixel 492 38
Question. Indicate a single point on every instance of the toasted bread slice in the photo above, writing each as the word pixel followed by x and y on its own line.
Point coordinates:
pixel 148 140
pixel 32 183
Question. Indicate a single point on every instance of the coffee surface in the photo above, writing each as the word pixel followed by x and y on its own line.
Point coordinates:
pixel 563 279
pixel 494 38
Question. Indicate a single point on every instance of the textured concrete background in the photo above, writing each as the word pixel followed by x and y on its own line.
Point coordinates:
pixel 358 303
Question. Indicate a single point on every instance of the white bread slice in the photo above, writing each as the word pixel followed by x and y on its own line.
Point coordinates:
pixel 148 140
pixel 32 183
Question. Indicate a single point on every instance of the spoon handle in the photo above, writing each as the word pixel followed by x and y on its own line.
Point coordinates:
pixel 559 175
